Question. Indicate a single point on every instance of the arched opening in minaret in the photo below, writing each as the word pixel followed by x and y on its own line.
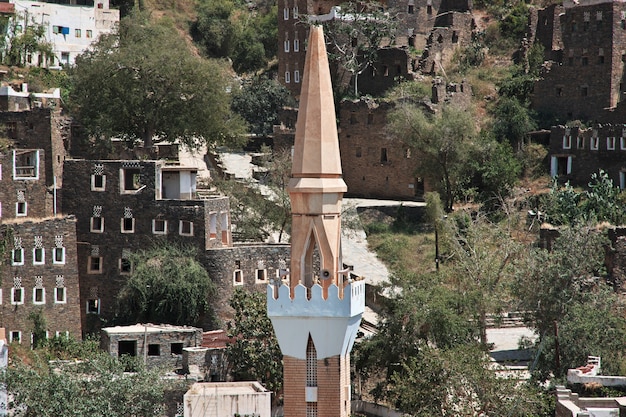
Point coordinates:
pixel 311 263
pixel 311 377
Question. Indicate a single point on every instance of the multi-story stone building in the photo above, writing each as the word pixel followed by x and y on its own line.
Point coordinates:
pixel 576 154
pixel 125 206
pixel 39 276
pixel 585 77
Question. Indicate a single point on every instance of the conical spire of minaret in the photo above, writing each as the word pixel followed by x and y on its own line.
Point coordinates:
pixel 316 147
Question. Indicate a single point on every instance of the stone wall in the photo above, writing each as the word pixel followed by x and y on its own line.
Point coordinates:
pixel 588 79
pixel 250 266
pixel 113 222
pixel 41 263
pixel 453 30
pixel 576 154
pixel 23 191
pixel 393 64
pixel 374 164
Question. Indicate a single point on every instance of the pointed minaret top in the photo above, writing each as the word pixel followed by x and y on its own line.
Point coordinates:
pixel 316 147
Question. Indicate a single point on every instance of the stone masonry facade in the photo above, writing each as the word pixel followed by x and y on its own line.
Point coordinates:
pixel 119 210
pixel 39 275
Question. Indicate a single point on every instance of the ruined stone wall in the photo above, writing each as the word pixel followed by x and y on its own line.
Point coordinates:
pixel 250 266
pixel 453 30
pixel 579 153
pixel 587 81
pixel 394 64
pixel 375 164
pixel 41 262
pixel 104 213
pixel 545 29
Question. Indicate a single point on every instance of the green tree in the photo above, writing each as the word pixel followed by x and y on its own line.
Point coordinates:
pixel 26 38
pixel 442 140
pixel 254 353
pixel 356 36
pixel 96 387
pixel 167 285
pixel 512 121
pixel 259 101
pixel 142 82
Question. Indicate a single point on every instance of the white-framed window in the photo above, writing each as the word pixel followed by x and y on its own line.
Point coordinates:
pixel 295 12
pixel 567 142
pixel 93 306
pixel 17 296
pixel 98 182
pixel 96 225
pixel 94 265
pixel 17 256
pixel 237 277
pixel 21 209
pixel 25 164
pixel 282 274
pixel 39 256
pixel 287 77
pixel 286 45
pixel 296 76
pixel 580 142
pixel 130 180
pixel 60 295
pixel 127 225
pixel 296 45
pixel 610 143
pixel 594 143
pixel 126 266
pixel 185 228
pixel 15 336
pixel 260 276
pixel 159 227
pixel 58 256
pixel 286 13
pixel 39 296
pixel 622 143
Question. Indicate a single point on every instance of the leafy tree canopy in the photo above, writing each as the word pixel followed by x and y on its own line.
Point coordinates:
pixel 254 354
pixel 167 285
pixel 143 82
pixel 259 101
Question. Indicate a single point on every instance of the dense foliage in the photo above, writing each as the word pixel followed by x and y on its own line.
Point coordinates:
pixel 254 353
pixel 142 82
pixel 167 285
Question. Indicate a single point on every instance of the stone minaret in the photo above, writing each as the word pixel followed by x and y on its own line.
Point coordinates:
pixel 316 316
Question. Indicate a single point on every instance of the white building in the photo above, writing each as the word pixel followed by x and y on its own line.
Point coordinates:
pixel 71 29
pixel 218 399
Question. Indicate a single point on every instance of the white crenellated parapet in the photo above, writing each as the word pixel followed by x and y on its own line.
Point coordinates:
pixel 332 323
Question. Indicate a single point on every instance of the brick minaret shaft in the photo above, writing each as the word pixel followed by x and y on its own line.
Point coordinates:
pixel 314 384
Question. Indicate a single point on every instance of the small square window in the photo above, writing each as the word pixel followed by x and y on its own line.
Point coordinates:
pixel 93 306
pixel 89 33
pixel 261 275
pixel 15 336
pixel 238 277
pixel 176 348
pixel 77 33
pixel 128 225
pixel 97 224
pixel 130 180
pixel 154 350
pixel 94 265
pixel 21 208
pixel 159 227
pixel 39 296
pixel 185 228
pixel 17 296
pixel 58 256
pixel 60 295
pixel 126 266
pixel 98 182
pixel 39 256
pixel 17 256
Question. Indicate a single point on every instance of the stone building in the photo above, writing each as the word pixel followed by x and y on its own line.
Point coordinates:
pixel 584 78
pixel 575 154
pixel 375 164
pixel 160 345
pixel 39 275
pixel 124 206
